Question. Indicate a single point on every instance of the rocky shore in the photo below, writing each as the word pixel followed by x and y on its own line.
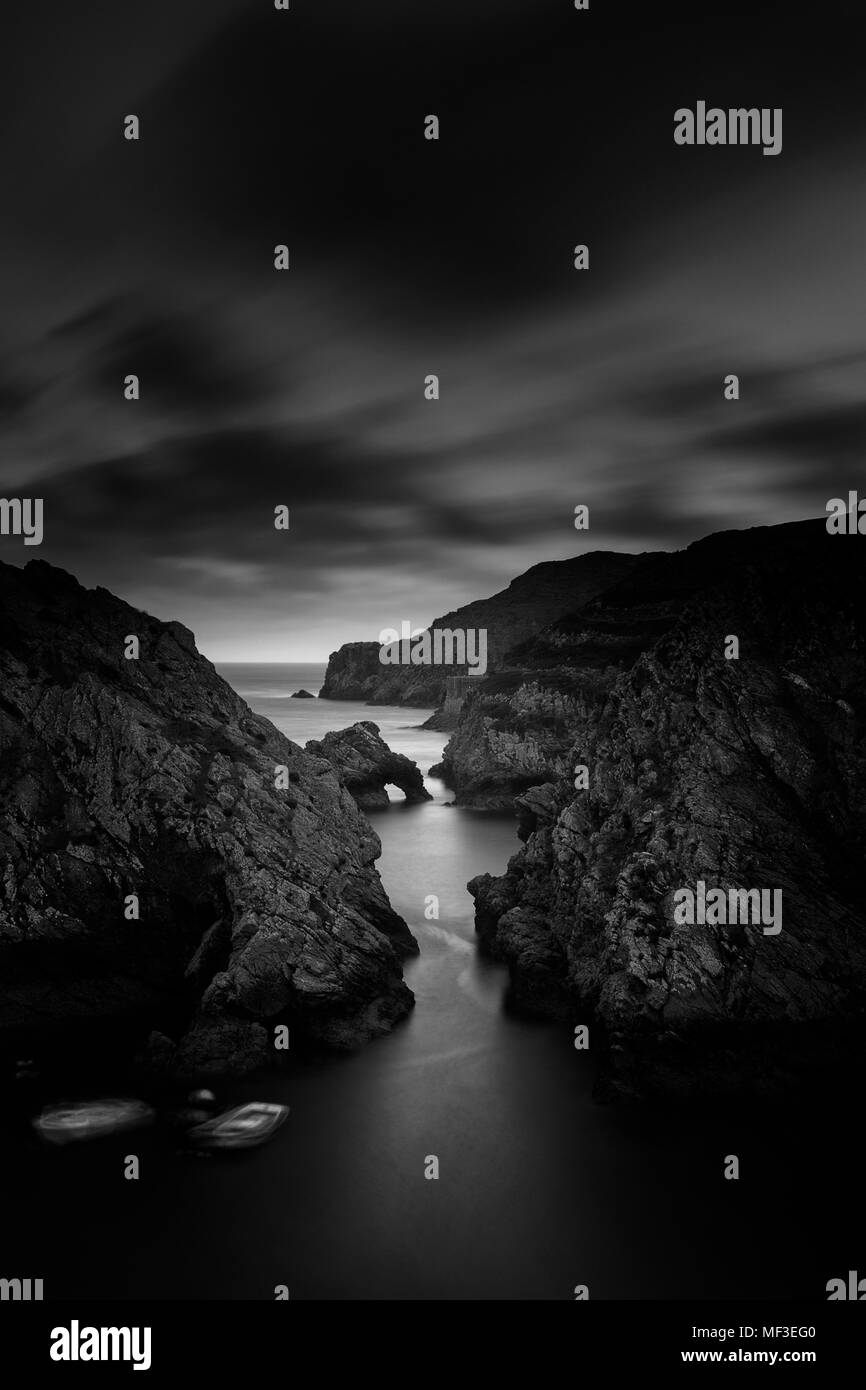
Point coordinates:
pixel 167 854
pixel 746 772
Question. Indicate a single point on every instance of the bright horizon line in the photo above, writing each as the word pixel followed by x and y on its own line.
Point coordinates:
pixel 261 661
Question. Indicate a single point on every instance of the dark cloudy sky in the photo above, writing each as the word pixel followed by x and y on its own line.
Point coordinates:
pixel 410 257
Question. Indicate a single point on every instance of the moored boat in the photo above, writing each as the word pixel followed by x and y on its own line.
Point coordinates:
pixel 240 1128
pixel 70 1121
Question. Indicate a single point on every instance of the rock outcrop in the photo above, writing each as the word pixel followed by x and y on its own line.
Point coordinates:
pixel 366 765
pixel 302 695
pixel 513 616
pixel 515 731
pixel 167 854
pixel 745 773
pixel 447 716
pixel 356 673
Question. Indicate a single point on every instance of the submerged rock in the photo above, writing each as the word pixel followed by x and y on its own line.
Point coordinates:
pixel 165 853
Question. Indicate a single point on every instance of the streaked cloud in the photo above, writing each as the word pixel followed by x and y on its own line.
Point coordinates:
pixel 307 389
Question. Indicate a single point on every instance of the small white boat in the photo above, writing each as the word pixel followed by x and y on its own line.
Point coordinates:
pixel 240 1128
pixel 91 1119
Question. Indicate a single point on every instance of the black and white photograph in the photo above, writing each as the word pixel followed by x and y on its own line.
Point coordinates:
pixel 432 662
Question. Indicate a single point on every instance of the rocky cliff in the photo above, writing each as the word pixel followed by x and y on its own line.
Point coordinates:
pixel 513 616
pixel 516 728
pixel 355 673
pixel 743 773
pixel 515 731
pixel 166 853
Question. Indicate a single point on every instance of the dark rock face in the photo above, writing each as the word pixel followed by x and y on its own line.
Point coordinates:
pixel 353 672
pixel 516 614
pixel 743 773
pixel 302 695
pixel 517 728
pixel 257 888
pixel 366 765
pixel 516 731
pixel 447 716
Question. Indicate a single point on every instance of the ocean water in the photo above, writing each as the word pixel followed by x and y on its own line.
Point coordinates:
pixel 540 1189
pixel 269 690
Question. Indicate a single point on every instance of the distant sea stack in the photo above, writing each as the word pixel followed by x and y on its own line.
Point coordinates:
pixel 746 773
pixel 302 695
pixel 169 855
pixel 533 600
pixel 353 672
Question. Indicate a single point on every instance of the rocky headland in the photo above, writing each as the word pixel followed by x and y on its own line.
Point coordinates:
pixel 514 615
pixel 167 855
pixel 744 773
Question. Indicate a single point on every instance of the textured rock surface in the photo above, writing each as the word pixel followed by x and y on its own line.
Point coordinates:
pixel 447 716
pixel 746 773
pixel 517 728
pixel 510 617
pixel 366 765
pixel 355 673
pixel 151 777
pixel 515 731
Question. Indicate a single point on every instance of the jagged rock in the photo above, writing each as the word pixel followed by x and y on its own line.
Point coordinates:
pixel 152 777
pixel 745 773
pixel 353 672
pixel 535 808
pixel 447 716
pixel 366 765
pixel 513 616
pixel 516 732
pixel 516 728
pixel 302 695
